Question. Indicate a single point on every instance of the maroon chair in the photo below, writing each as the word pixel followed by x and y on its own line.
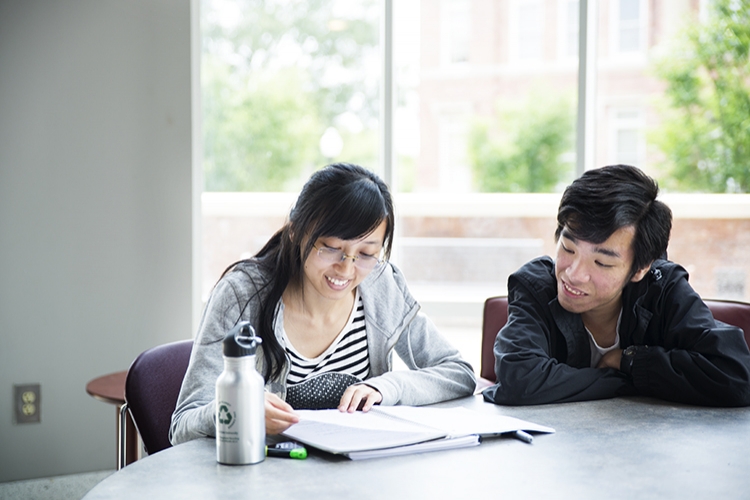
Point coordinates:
pixel 151 390
pixel 494 318
pixel 733 313
pixel 496 315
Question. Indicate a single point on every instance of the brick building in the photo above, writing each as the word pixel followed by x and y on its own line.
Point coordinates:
pixel 477 52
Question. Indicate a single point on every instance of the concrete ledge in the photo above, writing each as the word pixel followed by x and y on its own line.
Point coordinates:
pixel 683 205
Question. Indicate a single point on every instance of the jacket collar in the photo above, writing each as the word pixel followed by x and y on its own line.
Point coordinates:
pixel 574 332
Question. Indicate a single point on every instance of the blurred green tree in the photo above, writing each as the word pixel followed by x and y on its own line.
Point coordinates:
pixel 522 147
pixel 275 74
pixel 705 132
pixel 259 135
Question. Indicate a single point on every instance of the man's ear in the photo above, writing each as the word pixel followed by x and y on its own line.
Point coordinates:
pixel 640 274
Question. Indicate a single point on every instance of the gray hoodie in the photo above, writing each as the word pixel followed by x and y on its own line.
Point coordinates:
pixel 393 322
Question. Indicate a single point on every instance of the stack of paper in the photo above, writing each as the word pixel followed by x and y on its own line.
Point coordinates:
pixel 399 430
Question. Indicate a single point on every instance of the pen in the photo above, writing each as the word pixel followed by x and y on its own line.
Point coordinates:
pixel 523 436
pixel 298 453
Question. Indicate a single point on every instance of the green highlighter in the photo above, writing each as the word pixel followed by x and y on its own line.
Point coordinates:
pixel 287 449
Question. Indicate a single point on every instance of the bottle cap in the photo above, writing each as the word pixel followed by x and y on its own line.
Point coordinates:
pixel 241 341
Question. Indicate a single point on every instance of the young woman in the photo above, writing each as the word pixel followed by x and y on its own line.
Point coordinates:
pixel 330 309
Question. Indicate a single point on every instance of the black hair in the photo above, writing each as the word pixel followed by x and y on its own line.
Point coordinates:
pixel 340 200
pixel 606 199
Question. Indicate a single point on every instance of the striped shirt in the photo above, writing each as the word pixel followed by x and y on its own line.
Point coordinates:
pixel 346 354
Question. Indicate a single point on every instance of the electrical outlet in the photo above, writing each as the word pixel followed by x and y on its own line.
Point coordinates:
pixel 28 403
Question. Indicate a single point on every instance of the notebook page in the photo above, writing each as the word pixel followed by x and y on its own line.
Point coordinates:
pixel 338 432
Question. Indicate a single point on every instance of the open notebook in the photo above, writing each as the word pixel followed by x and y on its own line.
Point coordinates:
pixel 398 430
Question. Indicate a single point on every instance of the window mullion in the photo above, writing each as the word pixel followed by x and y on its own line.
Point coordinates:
pixel 387 97
pixel 586 131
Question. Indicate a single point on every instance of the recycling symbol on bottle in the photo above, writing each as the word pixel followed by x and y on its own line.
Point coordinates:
pixel 225 417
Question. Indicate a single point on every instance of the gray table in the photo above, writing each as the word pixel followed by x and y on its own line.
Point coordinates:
pixel 618 448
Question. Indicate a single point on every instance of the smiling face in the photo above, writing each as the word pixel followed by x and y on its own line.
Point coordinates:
pixel 591 277
pixel 338 279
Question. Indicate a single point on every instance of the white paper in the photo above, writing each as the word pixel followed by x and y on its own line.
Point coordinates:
pixel 434 445
pixel 463 421
pixel 394 426
pixel 338 432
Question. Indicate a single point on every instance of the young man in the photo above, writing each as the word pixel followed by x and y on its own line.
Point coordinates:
pixel 609 317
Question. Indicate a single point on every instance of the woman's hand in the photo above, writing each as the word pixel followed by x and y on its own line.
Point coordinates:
pixel 359 397
pixel 279 415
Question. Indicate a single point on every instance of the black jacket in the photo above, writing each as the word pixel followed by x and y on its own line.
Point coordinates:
pixel 542 354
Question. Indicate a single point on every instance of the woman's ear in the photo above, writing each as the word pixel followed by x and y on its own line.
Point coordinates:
pixel 641 273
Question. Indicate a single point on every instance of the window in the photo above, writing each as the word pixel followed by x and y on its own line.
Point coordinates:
pixel 626 137
pixel 527 30
pixel 484 131
pixel 286 87
pixel 455 22
pixel 628 26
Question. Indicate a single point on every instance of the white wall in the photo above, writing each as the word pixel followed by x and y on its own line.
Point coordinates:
pixel 95 212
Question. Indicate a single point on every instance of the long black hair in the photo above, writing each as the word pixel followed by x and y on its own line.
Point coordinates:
pixel 606 199
pixel 340 200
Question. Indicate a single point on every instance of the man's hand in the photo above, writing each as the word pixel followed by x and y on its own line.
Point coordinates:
pixel 611 359
pixel 279 414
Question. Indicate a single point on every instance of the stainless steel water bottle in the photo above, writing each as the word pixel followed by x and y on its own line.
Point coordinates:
pixel 240 402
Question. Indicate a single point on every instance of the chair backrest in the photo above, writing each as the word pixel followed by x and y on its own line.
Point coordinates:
pixel 496 315
pixel 494 318
pixel 151 390
pixel 733 313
